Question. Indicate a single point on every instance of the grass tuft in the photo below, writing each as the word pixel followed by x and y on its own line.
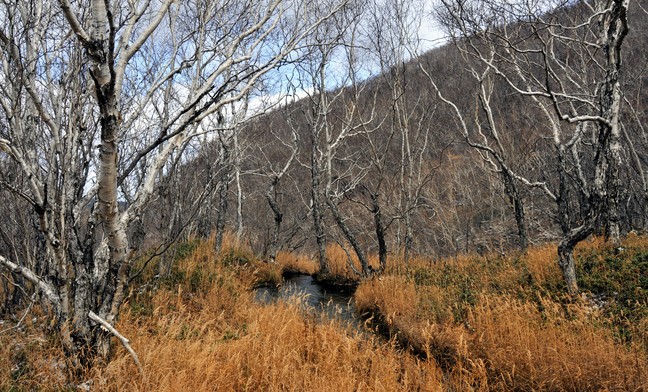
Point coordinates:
pixel 292 263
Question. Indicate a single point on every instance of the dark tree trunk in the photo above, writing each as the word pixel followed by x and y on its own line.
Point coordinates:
pixel 568 266
pixel 572 236
pixel 278 218
pixel 567 243
pixel 380 231
pixel 366 269
pixel 615 29
pixel 518 208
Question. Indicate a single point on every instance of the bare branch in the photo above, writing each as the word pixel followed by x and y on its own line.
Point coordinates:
pixel 42 286
pixel 79 31
pixel 93 316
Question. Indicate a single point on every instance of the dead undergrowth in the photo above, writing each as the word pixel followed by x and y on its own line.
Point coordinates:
pixel 201 330
pixel 503 323
pixel 466 323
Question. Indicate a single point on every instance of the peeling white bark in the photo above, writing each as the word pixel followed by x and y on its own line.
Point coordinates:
pixel 124 341
pixel 43 287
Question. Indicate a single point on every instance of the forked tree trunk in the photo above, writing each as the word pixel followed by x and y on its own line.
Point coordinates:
pixel 568 242
pixel 364 263
pixel 572 236
pixel 102 290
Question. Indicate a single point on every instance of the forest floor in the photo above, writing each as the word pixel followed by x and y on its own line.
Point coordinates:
pixel 465 323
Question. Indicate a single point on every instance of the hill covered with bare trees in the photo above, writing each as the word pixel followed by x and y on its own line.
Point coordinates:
pixel 490 142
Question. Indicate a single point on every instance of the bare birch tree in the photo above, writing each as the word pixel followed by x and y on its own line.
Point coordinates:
pixel 334 117
pixel 93 96
pixel 394 38
pixel 275 172
pixel 564 60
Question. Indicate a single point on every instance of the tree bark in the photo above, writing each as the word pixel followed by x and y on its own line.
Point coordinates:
pixel 364 263
pixel 278 218
pixel 223 188
pixel 518 208
pixel 567 265
pixel 239 190
pixel 380 231
pixel 318 224
pixel 613 33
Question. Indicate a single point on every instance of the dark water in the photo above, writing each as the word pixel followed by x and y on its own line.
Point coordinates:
pixel 337 305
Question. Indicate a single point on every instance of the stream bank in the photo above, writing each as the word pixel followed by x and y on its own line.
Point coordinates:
pixel 322 298
pixel 336 302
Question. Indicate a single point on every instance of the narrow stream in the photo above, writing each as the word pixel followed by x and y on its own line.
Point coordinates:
pixel 334 304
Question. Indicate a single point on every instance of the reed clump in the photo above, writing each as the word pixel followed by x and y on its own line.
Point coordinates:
pixel 31 360
pixel 524 346
pixel 344 265
pixel 292 263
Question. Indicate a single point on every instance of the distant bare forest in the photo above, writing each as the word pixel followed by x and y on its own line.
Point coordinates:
pixel 474 169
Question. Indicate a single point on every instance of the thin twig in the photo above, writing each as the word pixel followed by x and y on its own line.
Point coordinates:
pixel 31 303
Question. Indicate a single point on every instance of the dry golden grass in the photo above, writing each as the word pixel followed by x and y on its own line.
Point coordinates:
pixel 203 331
pixel 233 243
pixel 525 348
pixel 31 360
pixel 337 258
pixel 218 338
pixel 338 262
pixel 634 240
pixel 267 274
pixel 504 324
pixel 394 296
pixel 491 323
pixel 397 303
pixel 296 263
pixel 340 265
pixel 541 263
pixel 261 349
